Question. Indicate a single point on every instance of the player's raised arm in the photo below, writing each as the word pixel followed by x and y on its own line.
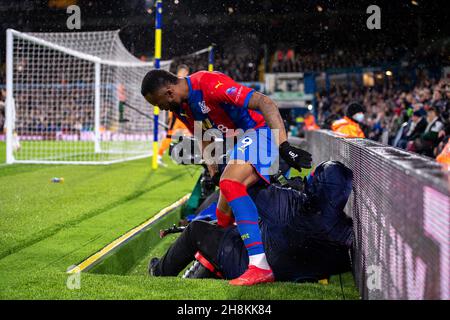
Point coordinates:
pixel 294 156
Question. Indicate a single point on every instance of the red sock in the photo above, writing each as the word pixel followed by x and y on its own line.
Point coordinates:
pixel 223 220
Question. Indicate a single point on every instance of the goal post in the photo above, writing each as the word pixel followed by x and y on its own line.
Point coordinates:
pixel 9 107
pixel 74 98
pixel 97 108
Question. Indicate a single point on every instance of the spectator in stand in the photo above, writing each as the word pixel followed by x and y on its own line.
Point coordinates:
pixel 416 127
pixel 2 109
pixel 444 156
pixel 376 126
pixel 441 96
pixel 2 73
pixel 390 111
pixel 239 67
pixel 429 139
pixel 310 122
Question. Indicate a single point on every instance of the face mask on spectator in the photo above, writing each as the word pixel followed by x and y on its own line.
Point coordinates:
pixel 358 117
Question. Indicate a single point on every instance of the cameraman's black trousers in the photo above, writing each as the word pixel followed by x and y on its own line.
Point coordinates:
pixel 198 236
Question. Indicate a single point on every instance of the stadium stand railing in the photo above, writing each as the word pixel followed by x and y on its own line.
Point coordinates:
pixel 400 207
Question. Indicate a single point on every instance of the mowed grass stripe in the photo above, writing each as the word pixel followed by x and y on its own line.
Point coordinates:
pixel 122 239
pixel 51 285
pixel 32 208
pixel 46 233
pixel 74 244
pixel 2 152
pixel 38 271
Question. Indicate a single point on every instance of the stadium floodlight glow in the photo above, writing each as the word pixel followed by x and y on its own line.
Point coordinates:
pixel 74 98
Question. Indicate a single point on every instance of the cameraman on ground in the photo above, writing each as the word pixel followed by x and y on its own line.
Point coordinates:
pixel 306 235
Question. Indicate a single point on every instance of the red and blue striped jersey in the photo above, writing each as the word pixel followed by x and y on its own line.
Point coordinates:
pixel 218 102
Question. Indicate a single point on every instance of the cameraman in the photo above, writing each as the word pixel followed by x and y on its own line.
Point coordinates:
pixel 306 234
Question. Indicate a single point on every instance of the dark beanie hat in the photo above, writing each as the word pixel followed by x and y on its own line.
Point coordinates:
pixel 418 113
pixel 354 108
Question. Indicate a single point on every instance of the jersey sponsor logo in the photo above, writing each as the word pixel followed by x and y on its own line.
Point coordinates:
pixel 218 84
pixel 238 95
pixel 204 107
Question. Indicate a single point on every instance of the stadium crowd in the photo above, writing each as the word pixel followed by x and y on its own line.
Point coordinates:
pixel 239 67
pixel 417 120
pixel 2 109
pixel 2 96
pixel 288 59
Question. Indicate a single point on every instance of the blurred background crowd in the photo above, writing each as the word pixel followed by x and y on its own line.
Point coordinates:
pixel 406 106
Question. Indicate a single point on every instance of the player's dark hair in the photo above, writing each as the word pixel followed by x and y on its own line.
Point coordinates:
pixel 156 79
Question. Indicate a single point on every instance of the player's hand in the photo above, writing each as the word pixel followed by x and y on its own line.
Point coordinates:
pixel 295 157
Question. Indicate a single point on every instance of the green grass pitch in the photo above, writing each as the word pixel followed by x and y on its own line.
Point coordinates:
pixel 79 150
pixel 46 227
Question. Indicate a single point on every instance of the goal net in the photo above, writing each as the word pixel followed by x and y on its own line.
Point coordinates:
pixel 74 98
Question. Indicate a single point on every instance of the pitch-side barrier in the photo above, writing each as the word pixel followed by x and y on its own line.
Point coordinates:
pixel 401 215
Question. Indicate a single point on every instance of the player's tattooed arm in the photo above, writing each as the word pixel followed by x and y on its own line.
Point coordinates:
pixel 271 114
